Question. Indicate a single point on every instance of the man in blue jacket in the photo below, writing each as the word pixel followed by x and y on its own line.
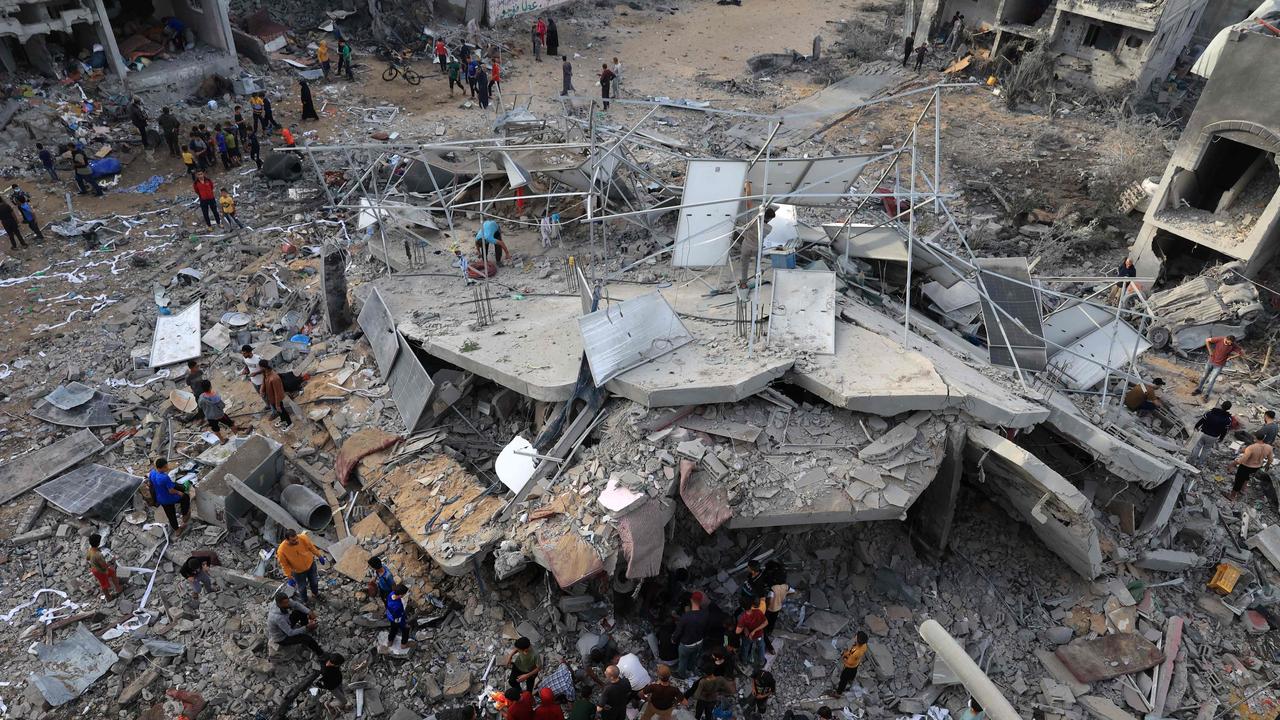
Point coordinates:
pixel 168 494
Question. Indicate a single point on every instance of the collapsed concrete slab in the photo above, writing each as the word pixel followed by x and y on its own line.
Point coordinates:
pixel 258 463
pixel 1058 513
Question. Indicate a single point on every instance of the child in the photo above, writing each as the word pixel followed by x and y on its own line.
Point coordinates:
pixel 220 138
pixel 233 145
pixel 103 570
pixel 46 159
pixel 398 616
pixel 383 581
pixel 255 149
pixel 215 411
pixel 189 159
pixel 228 204
pixel 29 216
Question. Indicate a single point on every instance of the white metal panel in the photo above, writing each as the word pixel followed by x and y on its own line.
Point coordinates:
pixel 633 332
pixel 1065 326
pixel 411 386
pixel 950 299
pixel 784 227
pixel 869 242
pixel 705 230
pixel 792 180
pixel 1085 365
pixel 803 313
pixel 380 330
pixel 177 337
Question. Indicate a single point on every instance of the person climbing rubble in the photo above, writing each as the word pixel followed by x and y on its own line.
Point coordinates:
pixel 298 557
pixel 851 660
pixel 195 570
pixel 103 570
pixel 214 410
pixel 169 496
pixel 1213 427
pixel 1257 455
pixel 383 581
pixel 1144 398
pixel 525 664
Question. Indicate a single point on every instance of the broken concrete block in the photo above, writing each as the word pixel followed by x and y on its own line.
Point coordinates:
pixel 457 683
pixel 1255 623
pixel 890 444
pixel 26 538
pixel 1267 542
pixel 527 630
pixel 619 500
pixel 576 603
pixel 1054 667
pixel 1168 560
pixel 827 623
pixel 1104 709
pixel 404 713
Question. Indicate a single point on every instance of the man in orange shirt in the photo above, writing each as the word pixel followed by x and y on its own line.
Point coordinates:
pixel 1256 455
pixel 297 556
pixel 1221 349
pixel 852 658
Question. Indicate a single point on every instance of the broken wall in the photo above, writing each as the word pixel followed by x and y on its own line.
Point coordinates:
pixel 1059 514
pixel 259 463
pixel 1235 105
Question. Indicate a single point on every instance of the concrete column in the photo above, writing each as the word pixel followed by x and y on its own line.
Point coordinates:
pixel 217 9
pixel 107 37
pixel 974 680
pixel 6 56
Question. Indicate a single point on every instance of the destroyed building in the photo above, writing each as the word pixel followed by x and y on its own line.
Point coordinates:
pixel 1219 198
pixel 1102 44
pixel 119 37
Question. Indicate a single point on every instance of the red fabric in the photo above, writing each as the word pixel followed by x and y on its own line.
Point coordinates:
pixel 522 709
pixel 751 622
pixel 1220 352
pixel 288 136
pixel 497 73
pixel 548 711
pixel 204 188
pixel 440 47
pixel 105 578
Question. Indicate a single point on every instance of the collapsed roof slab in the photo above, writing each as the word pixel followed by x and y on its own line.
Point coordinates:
pixel 524 352
pixel 1121 458
pixel 1059 514
pixel 873 372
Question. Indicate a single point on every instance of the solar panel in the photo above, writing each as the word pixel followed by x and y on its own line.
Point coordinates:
pixel 92 489
pixel 1015 332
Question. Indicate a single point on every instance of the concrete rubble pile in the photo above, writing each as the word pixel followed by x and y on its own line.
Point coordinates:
pixel 564 445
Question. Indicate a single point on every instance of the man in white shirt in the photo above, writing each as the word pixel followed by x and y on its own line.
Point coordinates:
pixel 251 368
pixel 632 669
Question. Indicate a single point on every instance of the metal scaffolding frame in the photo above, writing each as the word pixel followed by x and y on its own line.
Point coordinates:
pixel 618 184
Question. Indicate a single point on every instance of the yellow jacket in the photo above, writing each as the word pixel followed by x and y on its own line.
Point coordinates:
pixel 298 557
pixel 853 656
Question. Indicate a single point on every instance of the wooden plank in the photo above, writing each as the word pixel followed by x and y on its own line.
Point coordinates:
pixel 21 474
pixel 339 522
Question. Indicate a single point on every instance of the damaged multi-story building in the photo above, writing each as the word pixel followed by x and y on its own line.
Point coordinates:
pixel 1102 44
pixel 1219 198
pixel 133 41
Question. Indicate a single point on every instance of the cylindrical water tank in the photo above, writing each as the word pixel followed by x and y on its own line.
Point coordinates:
pixel 308 508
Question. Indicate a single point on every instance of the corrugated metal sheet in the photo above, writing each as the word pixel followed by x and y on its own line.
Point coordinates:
pixel 633 332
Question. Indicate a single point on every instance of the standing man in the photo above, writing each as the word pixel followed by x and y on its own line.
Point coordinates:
pixel 9 221
pixel 268 117
pixel 1269 428
pixel 763 687
pixel 290 622
pixel 548 708
pixel 617 78
pixel 920 51
pixel 660 696
pixel 84 171
pixel 1253 458
pixel 908 44
pixel 957 30
pixel 442 55
pixel 208 201
pixel 455 75
pixel 776 579
pixel 525 664
pixel 255 149
pixel 540 29
pixel 344 59
pixel 322 56
pixel 852 658
pixel 1221 349
pixel 495 76
pixel 251 368
pixel 616 695
pixel 1213 426
pixel 606 79
pixel 214 410
pixel 482 88
pixel 473 68
pixel 691 630
pixel 257 105
pixel 750 631
pixel 46 159
pixel 138 117
pixel 297 556
pixel 169 125
pixel 566 72
pixel 103 570
pixel 273 393
pixel 167 495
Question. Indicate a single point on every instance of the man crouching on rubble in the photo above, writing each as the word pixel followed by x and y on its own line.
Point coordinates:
pixel 290 622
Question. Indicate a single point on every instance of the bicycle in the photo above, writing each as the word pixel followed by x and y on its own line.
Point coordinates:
pixel 396 65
